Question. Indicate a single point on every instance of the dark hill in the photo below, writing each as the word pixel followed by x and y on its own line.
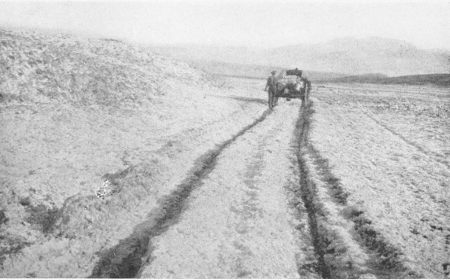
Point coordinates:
pixel 442 80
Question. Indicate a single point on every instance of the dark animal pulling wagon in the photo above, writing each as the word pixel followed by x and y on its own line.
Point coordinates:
pixel 289 84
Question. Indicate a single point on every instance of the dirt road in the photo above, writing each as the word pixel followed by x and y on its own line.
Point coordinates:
pixel 269 194
pixel 233 218
pixel 257 206
pixel 238 222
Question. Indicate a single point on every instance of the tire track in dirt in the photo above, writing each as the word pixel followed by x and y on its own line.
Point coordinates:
pixel 301 135
pixel 125 259
pixel 335 252
pixel 239 224
pixel 385 260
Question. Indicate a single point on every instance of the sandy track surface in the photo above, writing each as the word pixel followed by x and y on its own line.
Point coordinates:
pixel 238 214
pixel 264 204
pixel 284 199
pixel 238 222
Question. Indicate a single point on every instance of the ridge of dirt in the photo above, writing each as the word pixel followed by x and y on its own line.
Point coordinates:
pixel 307 190
pixel 85 71
pixel 385 258
pixel 125 259
pixel 331 246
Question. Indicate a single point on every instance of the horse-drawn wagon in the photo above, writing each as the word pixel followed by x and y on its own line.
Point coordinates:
pixel 290 85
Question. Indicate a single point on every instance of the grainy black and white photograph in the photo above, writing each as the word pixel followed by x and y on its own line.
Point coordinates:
pixel 225 139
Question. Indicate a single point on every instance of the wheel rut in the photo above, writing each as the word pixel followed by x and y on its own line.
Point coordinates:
pixel 243 229
pixel 125 259
pixel 307 192
pixel 238 224
pixel 349 247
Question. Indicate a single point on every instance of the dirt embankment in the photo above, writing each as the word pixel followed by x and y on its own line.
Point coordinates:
pixel 93 134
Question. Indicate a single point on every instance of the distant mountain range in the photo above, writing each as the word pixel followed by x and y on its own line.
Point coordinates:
pixel 252 71
pixel 345 55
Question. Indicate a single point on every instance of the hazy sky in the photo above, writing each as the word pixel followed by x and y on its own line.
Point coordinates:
pixel 248 23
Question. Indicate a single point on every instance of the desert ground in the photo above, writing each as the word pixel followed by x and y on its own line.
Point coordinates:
pixel 119 162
